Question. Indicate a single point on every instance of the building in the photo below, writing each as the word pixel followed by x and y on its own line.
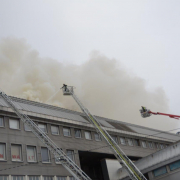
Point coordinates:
pixel 24 157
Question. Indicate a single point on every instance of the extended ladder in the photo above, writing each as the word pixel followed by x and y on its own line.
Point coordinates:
pixel 59 155
pixel 132 170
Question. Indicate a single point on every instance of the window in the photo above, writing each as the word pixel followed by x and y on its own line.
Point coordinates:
pixel 17 177
pixel 14 124
pixel 97 137
pixel 122 140
pixel 2 151
pixel 150 145
pixel 144 145
pixel 45 155
pixel 57 160
pixel 160 171
pixel 31 154
pixel 130 142
pixel 174 165
pixel 70 154
pixel 66 131
pixel 33 177
pixel 3 177
pixel 71 178
pixel 61 178
pixel 54 130
pixel 114 138
pixel 42 127
pixel 26 127
pixel 161 146
pixel 1 122
pixel 136 142
pixel 157 145
pixel 48 177
pixel 16 152
pixel 88 135
pixel 77 133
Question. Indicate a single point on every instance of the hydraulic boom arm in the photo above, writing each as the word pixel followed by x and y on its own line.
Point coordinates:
pixel 59 155
pixel 132 170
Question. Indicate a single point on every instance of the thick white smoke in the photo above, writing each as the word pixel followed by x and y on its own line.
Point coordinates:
pixel 102 84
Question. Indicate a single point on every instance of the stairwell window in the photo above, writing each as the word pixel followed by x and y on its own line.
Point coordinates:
pixel 45 155
pixel 31 154
pixel 144 145
pixel 2 151
pixel 43 127
pixel 1 122
pixel 77 133
pixel 66 131
pixel 14 123
pixel 16 152
pixel 55 130
pixel 88 135
pixel 122 140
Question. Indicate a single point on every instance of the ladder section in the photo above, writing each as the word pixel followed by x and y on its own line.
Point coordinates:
pixel 132 170
pixel 59 155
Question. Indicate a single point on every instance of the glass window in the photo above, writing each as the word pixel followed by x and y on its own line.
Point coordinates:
pixel 31 154
pixel 160 171
pixel 54 130
pixel 70 154
pixel 26 127
pixel 14 124
pixel 157 145
pixel 144 145
pixel 71 178
pixel 150 145
pixel 161 146
pixel 88 135
pixel 136 142
pixel 16 152
pixel 45 155
pixel 114 138
pixel 48 177
pixel 61 178
pixel 66 132
pixel 42 127
pixel 2 151
pixel 17 177
pixel 122 140
pixel 3 177
pixel 174 165
pixel 77 133
pixel 130 142
pixel 1 122
pixel 57 160
pixel 97 137
pixel 33 177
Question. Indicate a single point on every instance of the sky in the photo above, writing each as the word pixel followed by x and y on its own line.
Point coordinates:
pixel 141 35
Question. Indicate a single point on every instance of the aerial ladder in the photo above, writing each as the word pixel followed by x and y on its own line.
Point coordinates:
pixel 133 172
pixel 59 155
pixel 147 113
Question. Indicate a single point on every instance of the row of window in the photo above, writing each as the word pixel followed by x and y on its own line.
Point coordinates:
pixel 15 124
pixel 36 178
pixel 163 170
pixel 16 153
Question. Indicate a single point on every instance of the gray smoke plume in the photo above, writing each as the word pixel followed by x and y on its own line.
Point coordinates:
pixel 103 85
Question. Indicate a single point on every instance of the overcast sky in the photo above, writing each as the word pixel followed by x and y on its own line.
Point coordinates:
pixel 142 35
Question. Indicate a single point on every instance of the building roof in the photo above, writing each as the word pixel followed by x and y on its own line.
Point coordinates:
pixel 114 125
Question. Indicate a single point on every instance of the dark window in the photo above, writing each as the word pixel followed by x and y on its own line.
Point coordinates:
pixel 18 177
pixel 160 171
pixel 77 133
pixel 61 178
pixel 97 137
pixel 3 177
pixel 1 122
pixel 45 154
pixel 136 142
pixel 48 177
pixel 174 165
pixel 33 177
pixel 150 145
pixel 114 138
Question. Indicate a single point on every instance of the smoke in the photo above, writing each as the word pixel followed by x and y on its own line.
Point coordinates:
pixel 102 84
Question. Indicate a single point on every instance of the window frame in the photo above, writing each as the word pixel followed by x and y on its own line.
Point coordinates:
pixel 57 129
pixel 25 128
pixel 145 143
pixel 47 176
pixel 90 135
pixel 150 142
pixel 35 154
pixel 49 156
pixel 22 159
pixel 16 120
pixel 5 143
pixel 75 133
pixel 130 140
pixel 16 176
pixel 138 142
pixel 45 126
pixel 124 144
pixel 116 141
pixel 33 176
pixel 3 122
pixel 4 176
pixel 160 174
pixel 172 164
pixel 69 131
pixel 98 136
pixel 72 154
